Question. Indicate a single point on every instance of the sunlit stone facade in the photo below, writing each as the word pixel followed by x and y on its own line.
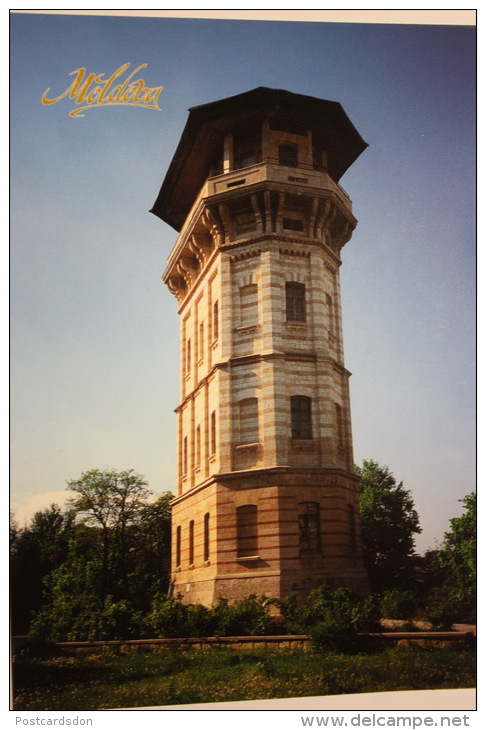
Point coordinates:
pixel 266 498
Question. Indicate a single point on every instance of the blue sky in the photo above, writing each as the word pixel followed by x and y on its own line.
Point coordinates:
pixel 94 333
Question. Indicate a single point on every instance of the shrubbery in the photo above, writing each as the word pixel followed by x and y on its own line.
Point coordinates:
pixel 398 604
pixel 330 616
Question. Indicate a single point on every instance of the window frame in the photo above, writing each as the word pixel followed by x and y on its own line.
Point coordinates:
pixel 206 551
pixel 248 421
pixel 295 304
pixel 191 542
pixel 178 546
pixel 301 418
pixel 246 531
pixel 309 516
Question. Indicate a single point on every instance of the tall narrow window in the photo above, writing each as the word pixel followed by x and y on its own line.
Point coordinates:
pixel 184 456
pixel 248 421
pixel 206 536
pixel 248 305
pixel 215 320
pixel 295 301
pixel 191 542
pixel 213 432
pixel 178 547
pixel 188 357
pixel 247 530
pixel 339 425
pixel 201 342
pixel 301 417
pixel 309 528
pixel 198 446
pixel 330 313
pixel 287 155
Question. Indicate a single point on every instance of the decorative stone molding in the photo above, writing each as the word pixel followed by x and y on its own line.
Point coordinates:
pixel 295 252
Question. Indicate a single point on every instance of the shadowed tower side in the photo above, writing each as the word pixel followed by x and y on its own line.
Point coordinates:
pixel 267 498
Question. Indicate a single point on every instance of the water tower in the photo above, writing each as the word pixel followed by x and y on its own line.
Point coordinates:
pixel 266 499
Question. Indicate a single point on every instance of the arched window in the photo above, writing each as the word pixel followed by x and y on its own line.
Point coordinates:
pixel 206 536
pixel 178 547
pixel 201 342
pixel 309 528
pixel 213 432
pixel 295 301
pixel 215 320
pixel 191 542
pixel 198 446
pixel 188 357
pixel 247 531
pixel 184 455
pixel 301 417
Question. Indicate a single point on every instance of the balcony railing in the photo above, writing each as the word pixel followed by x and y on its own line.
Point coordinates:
pixel 270 169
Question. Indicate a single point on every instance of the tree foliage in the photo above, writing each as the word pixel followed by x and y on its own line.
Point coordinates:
pixel 388 523
pixel 453 597
pixel 112 501
pixel 459 549
pixel 36 551
pixel 88 571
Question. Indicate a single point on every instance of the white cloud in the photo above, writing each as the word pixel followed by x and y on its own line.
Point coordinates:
pixel 24 508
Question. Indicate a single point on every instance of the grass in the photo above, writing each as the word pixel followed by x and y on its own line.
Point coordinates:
pixel 181 676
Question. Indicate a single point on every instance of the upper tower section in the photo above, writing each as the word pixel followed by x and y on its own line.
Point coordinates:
pixel 263 163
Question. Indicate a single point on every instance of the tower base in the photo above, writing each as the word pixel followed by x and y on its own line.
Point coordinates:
pixel 270 532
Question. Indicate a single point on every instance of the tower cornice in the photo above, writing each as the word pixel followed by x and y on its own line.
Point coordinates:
pixel 207 125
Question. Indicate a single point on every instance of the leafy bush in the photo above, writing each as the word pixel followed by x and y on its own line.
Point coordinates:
pixel 446 606
pixel 398 604
pixel 119 620
pixel 331 616
pixel 167 618
pixel 248 617
pixel 332 634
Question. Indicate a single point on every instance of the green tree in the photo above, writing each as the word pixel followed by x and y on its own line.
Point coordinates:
pixel 458 552
pixel 388 523
pixel 113 501
pixel 453 597
pixel 152 542
pixel 35 551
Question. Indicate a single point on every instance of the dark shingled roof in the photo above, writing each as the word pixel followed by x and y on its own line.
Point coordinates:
pixel 208 123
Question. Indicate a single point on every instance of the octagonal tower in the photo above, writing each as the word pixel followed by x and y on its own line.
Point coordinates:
pixel 266 498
